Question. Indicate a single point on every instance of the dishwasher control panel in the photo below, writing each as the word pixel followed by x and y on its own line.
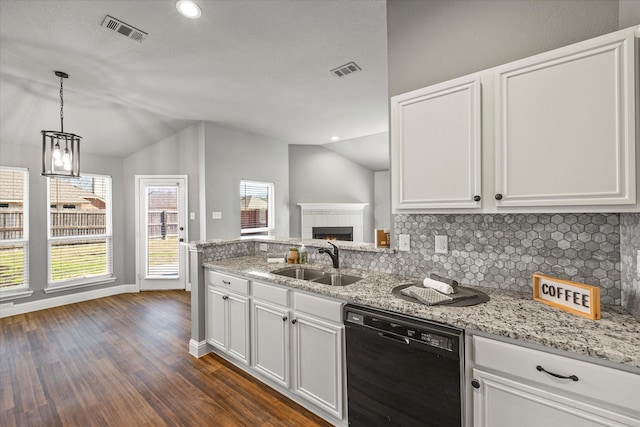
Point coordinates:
pixel 422 335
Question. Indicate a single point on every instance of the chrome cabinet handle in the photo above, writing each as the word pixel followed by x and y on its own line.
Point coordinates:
pixel 562 377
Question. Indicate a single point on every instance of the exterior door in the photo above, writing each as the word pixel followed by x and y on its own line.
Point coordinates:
pixel 161 227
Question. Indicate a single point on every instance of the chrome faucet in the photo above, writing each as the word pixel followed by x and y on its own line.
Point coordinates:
pixel 334 255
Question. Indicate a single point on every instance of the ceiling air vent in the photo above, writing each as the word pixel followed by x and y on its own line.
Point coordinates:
pixel 345 69
pixel 125 29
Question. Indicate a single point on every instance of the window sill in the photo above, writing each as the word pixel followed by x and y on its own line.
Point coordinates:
pixel 76 285
pixel 9 295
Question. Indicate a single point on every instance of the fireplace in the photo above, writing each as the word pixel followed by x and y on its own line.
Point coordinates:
pixel 348 218
pixel 333 233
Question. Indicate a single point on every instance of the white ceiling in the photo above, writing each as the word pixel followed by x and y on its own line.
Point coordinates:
pixel 261 66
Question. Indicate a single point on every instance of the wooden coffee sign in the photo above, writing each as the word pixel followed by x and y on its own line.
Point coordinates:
pixel 576 298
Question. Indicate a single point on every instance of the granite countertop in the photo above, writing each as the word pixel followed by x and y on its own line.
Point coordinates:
pixel 615 337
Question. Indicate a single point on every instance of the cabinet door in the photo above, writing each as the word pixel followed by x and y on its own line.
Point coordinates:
pixel 238 327
pixel 216 327
pixel 502 402
pixel 318 362
pixel 270 342
pixel 565 126
pixel 436 146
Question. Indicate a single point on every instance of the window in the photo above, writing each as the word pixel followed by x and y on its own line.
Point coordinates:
pixel 256 207
pixel 79 230
pixel 14 235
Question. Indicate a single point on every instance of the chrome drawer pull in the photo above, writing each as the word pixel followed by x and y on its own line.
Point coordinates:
pixel 563 377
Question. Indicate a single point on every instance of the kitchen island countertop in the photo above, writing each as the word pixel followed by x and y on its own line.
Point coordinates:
pixel 614 338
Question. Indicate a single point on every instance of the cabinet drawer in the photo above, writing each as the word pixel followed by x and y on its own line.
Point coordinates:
pixel 594 381
pixel 232 283
pixel 318 306
pixel 270 293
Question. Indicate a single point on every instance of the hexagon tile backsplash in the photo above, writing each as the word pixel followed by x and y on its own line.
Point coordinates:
pixel 504 250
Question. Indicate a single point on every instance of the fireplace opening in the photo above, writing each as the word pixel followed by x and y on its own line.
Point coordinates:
pixel 333 233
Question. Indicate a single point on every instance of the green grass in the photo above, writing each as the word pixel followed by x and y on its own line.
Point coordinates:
pixel 69 263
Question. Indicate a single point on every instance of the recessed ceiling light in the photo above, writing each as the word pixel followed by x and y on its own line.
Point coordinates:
pixel 335 138
pixel 189 9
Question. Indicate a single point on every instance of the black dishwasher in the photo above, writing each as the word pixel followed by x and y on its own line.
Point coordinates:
pixel 401 370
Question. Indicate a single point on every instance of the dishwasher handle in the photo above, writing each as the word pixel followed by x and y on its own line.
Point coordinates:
pixel 394 337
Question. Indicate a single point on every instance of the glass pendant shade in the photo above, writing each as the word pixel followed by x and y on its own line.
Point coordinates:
pixel 60 149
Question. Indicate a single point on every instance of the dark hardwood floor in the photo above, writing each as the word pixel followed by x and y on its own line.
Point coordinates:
pixel 124 361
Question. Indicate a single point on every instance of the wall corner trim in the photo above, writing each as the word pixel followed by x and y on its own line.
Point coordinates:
pixel 198 349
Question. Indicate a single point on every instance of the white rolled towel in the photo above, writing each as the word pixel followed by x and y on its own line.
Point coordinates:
pixel 438 286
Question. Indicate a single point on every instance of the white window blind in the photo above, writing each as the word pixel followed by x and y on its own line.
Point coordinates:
pixel 14 236
pixel 256 207
pixel 79 230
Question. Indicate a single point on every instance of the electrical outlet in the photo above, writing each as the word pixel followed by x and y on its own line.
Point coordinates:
pixel 404 242
pixel 216 215
pixel 264 247
pixel 192 216
pixel 442 245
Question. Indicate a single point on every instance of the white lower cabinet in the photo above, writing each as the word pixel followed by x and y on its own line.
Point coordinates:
pixel 318 362
pixel 227 315
pixel 270 333
pixel 513 385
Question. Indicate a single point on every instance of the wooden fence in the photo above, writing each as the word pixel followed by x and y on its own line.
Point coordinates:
pixel 162 224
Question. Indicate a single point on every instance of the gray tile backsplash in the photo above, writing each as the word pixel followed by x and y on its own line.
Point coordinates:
pixel 504 250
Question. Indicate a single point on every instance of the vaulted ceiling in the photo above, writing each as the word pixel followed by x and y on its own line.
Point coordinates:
pixel 261 66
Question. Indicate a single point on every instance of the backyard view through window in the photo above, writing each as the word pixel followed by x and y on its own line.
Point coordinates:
pixel 256 207
pixel 14 216
pixel 163 245
pixel 79 229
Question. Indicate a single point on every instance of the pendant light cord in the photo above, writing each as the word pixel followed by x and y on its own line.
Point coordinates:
pixel 61 107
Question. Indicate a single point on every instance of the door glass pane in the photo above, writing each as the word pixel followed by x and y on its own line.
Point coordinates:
pixel 163 247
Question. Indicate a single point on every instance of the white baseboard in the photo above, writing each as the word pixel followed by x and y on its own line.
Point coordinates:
pixel 198 349
pixel 43 304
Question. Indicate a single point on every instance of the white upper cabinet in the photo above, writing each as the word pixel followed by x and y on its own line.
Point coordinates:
pixel 565 126
pixel 558 134
pixel 436 146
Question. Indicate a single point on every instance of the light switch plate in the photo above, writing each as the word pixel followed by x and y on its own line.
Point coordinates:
pixel 404 242
pixel 442 244
pixel 192 215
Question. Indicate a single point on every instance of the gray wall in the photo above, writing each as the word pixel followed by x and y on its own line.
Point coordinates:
pixel 382 200
pixel 176 155
pixel 319 175
pixel 230 156
pixel 430 41
pixel 30 156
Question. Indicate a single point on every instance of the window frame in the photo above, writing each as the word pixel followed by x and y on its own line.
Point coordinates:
pixel 107 236
pixel 270 186
pixel 22 290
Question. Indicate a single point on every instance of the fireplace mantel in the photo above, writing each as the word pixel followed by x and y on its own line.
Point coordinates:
pixel 333 214
pixel 333 206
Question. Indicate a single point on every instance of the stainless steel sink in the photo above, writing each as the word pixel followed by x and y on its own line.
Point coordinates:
pixel 302 273
pixel 318 276
pixel 337 279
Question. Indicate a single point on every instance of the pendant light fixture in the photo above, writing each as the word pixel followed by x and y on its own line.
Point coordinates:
pixel 60 150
